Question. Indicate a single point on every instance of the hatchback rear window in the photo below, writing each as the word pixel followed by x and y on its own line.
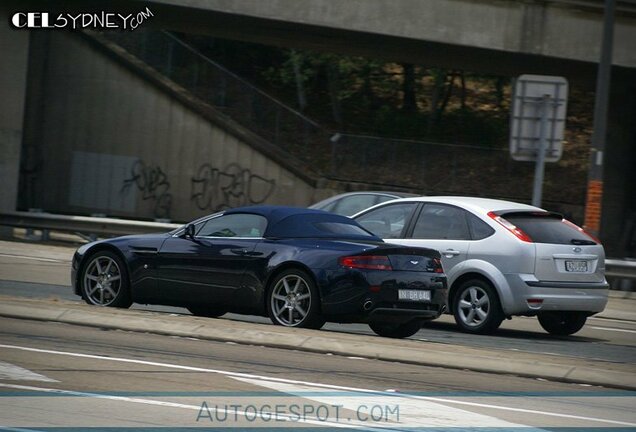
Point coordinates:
pixel 549 229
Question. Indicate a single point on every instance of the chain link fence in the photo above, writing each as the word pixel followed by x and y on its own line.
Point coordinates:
pixel 426 166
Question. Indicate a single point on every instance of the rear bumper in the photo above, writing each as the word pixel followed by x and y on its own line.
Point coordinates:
pixel 555 296
pixel 364 296
pixel 386 314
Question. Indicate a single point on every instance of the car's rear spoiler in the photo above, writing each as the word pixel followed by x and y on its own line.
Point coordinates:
pixel 517 212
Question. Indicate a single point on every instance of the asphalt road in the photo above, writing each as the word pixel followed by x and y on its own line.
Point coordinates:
pixel 59 375
pixel 34 270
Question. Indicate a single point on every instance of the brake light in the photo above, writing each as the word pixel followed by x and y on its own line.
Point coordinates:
pixel 510 227
pixel 368 262
pixel 437 266
pixel 576 227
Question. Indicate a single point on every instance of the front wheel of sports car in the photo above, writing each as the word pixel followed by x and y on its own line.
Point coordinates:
pixel 293 300
pixel 396 331
pixel 562 323
pixel 104 281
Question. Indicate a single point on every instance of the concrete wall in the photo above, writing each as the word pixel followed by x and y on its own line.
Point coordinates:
pixel 14 48
pixel 105 140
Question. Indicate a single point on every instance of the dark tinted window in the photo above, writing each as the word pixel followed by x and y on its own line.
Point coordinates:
pixel 479 228
pixel 388 221
pixel 440 221
pixel 546 229
pixel 341 228
pixel 234 225
pixel 352 204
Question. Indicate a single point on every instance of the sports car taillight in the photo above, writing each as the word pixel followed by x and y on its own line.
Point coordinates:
pixel 437 266
pixel 511 227
pixel 368 262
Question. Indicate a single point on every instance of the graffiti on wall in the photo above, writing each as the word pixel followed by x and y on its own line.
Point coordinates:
pixel 153 184
pixel 233 186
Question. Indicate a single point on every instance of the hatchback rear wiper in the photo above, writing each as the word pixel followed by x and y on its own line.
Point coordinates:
pixel 582 242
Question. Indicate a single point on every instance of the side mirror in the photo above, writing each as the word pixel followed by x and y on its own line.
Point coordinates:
pixel 189 231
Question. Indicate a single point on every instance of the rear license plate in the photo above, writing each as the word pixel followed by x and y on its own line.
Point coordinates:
pixel 414 295
pixel 576 266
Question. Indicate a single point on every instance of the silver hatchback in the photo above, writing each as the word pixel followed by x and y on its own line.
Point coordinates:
pixel 502 259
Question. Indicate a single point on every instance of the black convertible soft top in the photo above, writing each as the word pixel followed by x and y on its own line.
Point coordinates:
pixel 297 222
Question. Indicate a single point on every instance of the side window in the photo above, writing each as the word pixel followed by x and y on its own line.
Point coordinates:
pixel 442 222
pixel 350 205
pixel 389 221
pixel 478 228
pixel 234 225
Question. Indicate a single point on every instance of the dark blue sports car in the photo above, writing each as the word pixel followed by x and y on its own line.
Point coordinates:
pixel 301 267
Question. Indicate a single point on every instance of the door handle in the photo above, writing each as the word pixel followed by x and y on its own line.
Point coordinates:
pixel 449 253
pixel 239 251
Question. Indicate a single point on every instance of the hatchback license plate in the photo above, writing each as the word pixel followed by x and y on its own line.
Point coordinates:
pixel 576 266
pixel 414 295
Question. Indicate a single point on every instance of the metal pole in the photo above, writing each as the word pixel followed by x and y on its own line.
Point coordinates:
pixel 539 168
pixel 595 177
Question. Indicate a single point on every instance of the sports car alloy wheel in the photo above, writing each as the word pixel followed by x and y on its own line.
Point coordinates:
pixel 104 281
pixel 293 301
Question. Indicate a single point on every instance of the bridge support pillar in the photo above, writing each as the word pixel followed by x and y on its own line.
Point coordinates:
pixel 14 50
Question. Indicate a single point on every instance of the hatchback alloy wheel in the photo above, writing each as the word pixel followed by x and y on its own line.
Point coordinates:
pixel 476 307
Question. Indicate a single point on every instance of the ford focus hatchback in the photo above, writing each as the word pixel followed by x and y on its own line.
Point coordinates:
pixel 502 259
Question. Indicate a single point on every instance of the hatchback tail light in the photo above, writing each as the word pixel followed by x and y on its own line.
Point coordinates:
pixel 368 262
pixel 517 232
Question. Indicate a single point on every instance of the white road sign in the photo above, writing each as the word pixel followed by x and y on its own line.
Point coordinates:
pixel 537 98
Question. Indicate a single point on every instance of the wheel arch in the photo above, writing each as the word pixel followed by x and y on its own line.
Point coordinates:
pixel 476 269
pixel 92 251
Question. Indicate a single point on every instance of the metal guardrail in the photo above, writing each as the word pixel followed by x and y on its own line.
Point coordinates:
pixel 83 224
pixel 625 269
pixel 110 226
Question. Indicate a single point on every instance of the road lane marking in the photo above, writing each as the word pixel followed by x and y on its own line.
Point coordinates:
pixel 154 402
pixel 34 258
pixel 325 386
pixel 413 413
pixel 12 372
pixel 614 329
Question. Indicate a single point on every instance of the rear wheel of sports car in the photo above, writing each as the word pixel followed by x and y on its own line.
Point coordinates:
pixel 476 307
pixel 562 323
pixel 207 311
pixel 104 281
pixel 397 331
pixel 293 300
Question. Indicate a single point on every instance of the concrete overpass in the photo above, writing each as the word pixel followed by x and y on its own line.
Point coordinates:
pixel 495 36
